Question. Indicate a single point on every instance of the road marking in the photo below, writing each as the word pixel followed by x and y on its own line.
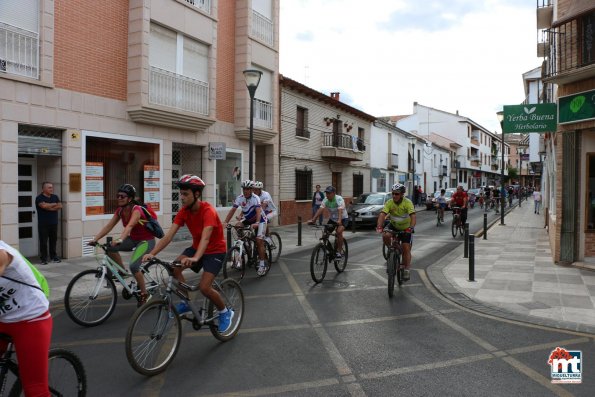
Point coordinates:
pixel 264 391
pixel 535 376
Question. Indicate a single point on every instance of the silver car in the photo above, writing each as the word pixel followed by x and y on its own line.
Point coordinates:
pixel 367 206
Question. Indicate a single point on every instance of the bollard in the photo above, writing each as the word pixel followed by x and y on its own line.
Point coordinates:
pixel 466 240
pixel 299 243
pixel 353 222
pixel 485 226
pixel 520 199
pixel 471 257
pixel 228 238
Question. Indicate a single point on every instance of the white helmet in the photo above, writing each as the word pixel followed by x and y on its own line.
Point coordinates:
pixel 398 187
pixel 247 184
pixel 258 185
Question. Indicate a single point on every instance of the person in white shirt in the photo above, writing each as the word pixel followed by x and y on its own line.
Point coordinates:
pixel 537 200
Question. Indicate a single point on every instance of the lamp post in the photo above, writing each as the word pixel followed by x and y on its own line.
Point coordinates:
pixel 412 140
pixel 252 78
pixel 501 120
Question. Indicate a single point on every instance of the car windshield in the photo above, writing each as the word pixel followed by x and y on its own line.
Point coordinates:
pixel 371 199
pixel 447 194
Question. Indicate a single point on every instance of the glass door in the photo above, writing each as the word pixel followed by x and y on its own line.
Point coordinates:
pixel 28 241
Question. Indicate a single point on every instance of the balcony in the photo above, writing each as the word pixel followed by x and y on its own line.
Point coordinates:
pixel 263 114
pixel 19 51
pixel 203 5
pixel 302 132
pixel 175 101
pixel 342 147
pixel 545 12
pixel 262 28
pixel 444 171
pixel 495 167
pixel 393 160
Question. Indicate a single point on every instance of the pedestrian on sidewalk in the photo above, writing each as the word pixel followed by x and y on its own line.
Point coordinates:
pixel 316 202
pixel 537 200
pixel 48 205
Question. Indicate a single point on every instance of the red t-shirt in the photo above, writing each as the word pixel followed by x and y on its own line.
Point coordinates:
pixel 138 232
pixel 459 198
pixel 197 221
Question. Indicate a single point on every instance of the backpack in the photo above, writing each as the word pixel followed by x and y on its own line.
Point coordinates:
pixel 151 222
pixel 41 280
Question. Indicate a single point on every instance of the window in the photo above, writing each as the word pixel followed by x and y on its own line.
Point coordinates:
pixel 19 37
pixel 418 156
pixel 358 184
pixel 262 21
pixel 336 180
pixel 229 178
pixel 110 163
pixel 303 184
pixel 380 184
pixel 301 128
pixel 590 192
pixel 263 100
pixel 588 39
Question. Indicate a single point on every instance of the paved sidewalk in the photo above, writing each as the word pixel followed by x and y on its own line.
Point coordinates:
pixel 515 276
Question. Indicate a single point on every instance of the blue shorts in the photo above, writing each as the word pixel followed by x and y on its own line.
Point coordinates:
pixel 210 263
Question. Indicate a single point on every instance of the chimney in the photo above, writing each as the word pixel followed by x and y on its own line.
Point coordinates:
pixel 335 95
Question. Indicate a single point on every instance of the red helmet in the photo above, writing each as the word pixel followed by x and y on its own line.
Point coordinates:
pixel 191 182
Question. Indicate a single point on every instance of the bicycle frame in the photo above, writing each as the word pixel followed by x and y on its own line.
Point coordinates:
pixel 5 361
pixel 116 269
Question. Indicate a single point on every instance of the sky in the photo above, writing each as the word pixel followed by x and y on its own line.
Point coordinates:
pixel 383 55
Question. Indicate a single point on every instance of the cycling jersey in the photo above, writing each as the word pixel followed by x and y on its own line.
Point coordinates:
pixel 266 201
pixel 334 206
pixel 249 206
pixel 399 214
pixel 458 199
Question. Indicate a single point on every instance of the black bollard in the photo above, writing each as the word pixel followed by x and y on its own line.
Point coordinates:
pixel 299 243
pixel 228 238
pixel 353 222
pixel 466 238
pixel 471 257
pixel 520 197
pixel 485 226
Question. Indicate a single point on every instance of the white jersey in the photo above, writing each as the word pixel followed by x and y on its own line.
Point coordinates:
pixel 19 302
pixel 266 201
pixel 249 206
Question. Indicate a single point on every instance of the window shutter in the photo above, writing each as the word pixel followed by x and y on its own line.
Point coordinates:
pixel 264 92
pixel 20 13
pixel 162 48
pixel 196 56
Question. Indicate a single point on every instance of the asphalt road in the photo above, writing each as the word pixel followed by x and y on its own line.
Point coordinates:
pixel 343 337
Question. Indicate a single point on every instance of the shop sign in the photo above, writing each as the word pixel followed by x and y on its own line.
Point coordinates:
pixel 151 177
pixel 576 107
pixel 216 150
pixel 94 188
pixel 534 117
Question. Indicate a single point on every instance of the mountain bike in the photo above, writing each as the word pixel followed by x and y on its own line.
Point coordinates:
pixel 243 253
pixel 457 224
pixel 394 263
pixel 276 246
pixel 91 295
pixel 325 252
pixel 155 331
pixel 66 373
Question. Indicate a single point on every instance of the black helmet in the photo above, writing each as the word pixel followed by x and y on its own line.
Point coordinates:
pixel 128 189
pixel 329 189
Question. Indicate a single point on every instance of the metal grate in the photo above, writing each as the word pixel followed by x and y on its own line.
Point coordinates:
pixel 186 159
pixel 87 249
pixel 40 141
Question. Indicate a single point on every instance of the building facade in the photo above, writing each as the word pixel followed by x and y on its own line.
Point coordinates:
pixel 394 167
pixel 97 94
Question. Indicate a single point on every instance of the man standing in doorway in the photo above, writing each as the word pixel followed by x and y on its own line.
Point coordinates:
pixel 47 204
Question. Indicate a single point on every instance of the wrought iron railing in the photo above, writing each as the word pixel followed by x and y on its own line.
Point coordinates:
pixel 262 28
pixel 176 91
pixel 302 132
pixel 263 114
pixel 203 5
pixel 343 141
pixel 19 51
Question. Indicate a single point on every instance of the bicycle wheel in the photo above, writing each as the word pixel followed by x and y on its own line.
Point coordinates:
pixel 391 270
pixel 340 264
pixel 234 265
pixel 318 263
pixel 398 269
pixel 268 253
pixel 88 300
pixel 156 278
pixel 384 250
pixel 233 297
pixel 453 227
pixel 153 337
pixel 276 246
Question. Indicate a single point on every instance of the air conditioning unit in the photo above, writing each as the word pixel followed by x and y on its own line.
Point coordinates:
pixel 2 65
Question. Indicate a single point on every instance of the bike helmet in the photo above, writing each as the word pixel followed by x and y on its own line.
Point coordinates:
pixel 128 189
pixel 191 182
pixel 330 189
pixel 247 184
pixel 398 187
pixel 258 185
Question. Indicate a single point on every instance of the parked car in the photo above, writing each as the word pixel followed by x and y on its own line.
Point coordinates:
pixel 367 207
pixel 448 194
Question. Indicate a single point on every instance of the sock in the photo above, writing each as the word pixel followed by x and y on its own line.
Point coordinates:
pixel 261 263
pixel 223 311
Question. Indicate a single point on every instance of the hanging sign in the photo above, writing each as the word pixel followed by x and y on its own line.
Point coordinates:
pixel 533 117
pixel 576 107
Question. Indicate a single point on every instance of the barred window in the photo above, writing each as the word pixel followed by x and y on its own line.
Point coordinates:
pixel 358 184
pixel 303 184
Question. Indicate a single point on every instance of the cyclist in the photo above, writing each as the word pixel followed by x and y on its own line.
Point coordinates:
pixel 208 245
pixel 401 217
pixel 460 199
pixel 25 317
pixel 441 203
pixel 267 205
pixel 253 215
pixel 337 215
pixel 130 212
pixel 496 195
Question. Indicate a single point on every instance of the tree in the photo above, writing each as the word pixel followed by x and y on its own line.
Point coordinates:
pixel 513 173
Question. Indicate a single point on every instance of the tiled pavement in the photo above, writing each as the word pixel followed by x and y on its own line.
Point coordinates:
pixel 516 277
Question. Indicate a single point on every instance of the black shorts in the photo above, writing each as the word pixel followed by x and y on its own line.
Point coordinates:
pixel 211 263
pixel 404 238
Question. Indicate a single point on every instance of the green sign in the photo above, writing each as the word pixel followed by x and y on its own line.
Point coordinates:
pixel 576 107
pixel 533 117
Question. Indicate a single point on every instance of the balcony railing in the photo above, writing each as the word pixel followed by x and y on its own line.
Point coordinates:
pixel 302 132
pixel 263 114
pixel 343 141
pixel 19 51
pixel 262 28
pixel 203 5
pixel 444 170
pixel 176 91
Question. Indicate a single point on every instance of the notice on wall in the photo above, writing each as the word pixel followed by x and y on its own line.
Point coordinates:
pixel 94 191
pixel 151 183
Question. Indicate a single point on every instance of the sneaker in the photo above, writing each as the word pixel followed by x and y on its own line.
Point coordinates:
pixel 183 308
pixel 406 274
pixel 268 240
pixel 44 262
pixel 56 259
pixel 142 299
pixel 262 270
pixel 225 320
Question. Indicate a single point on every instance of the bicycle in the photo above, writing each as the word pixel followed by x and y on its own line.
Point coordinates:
pixel 91 296
pixel 243 253
pixel 325 252
pixel 276 246
pixel 155 331
pixel 457 225
pixel 439 216
pixel 394 264
pixel 66 373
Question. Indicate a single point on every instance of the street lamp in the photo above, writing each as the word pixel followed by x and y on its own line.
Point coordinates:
pixel 412 140
pixel 252 78
pixel 501 120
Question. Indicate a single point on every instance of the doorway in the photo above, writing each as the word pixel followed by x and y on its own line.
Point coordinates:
pixel 27 182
